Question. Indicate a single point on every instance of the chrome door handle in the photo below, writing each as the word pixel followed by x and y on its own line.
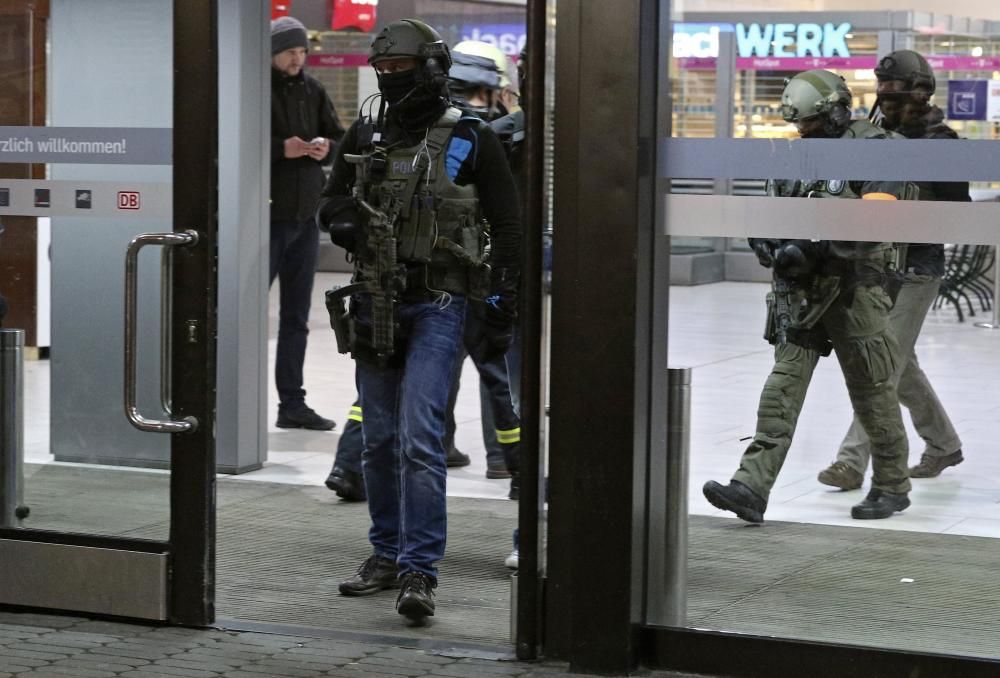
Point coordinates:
pixel 185 238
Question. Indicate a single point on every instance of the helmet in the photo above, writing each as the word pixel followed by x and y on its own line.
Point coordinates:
pixel 816 92
pixel 409 38
pixel 479 64
pixel 909 67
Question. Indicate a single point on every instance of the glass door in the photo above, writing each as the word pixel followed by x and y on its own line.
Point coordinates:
pixel 108 123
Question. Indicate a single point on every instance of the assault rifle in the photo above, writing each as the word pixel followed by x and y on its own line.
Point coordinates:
pixel 782 292
pixel 385 281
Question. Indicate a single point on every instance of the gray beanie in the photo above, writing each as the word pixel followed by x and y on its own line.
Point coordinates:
pixel 286 33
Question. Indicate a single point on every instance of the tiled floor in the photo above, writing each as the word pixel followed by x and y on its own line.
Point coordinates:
pixel 716 330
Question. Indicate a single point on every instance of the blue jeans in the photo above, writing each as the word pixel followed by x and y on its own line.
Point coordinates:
pixel 403 423
pixel 294 248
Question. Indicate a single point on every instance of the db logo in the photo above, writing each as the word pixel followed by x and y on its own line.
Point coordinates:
pixel 128 200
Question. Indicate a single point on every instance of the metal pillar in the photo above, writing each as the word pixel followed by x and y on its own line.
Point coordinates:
pixel 12 509
pixel 994 324
pixel 666 585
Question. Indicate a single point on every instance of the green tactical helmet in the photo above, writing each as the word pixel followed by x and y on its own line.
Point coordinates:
pixel 410 38
pixel 816 92
pixel 909 67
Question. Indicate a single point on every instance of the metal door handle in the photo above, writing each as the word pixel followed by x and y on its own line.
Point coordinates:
pixel 185 238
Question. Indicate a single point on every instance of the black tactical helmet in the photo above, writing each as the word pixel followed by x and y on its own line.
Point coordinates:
pixel 909 67
pixel 410 38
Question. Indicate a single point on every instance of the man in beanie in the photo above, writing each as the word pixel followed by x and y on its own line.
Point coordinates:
pixel 303 125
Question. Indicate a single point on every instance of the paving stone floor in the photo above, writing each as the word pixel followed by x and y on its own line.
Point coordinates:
pixel 46 646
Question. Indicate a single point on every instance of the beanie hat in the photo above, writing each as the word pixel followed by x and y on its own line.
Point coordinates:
pixel 286 33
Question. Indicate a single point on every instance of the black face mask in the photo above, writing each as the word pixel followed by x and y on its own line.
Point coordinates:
pixel 396 86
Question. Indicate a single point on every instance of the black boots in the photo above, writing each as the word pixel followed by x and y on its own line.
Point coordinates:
pixel 738 498
pixel 879 504
pixel 416 596
pixel 375 574
pixel 348 485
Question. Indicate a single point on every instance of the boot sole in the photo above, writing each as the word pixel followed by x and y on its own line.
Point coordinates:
pixel 342 493
pixel 870 514
pixel 308 428
pixel 720 501
pixel 498 475
pixel 347 591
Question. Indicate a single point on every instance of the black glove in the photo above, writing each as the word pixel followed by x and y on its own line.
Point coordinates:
pixel 339 217
pixel 500 314
pixel 764 248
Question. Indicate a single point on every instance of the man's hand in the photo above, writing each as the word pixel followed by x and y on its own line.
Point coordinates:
pixel 296 147
pixel 319 148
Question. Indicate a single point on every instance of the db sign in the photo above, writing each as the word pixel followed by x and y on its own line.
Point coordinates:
pixel 356 15
pixel 128 200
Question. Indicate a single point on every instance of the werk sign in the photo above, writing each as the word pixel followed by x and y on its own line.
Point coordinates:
pixel 762 40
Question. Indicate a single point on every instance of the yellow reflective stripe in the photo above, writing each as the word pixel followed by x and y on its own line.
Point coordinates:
pixel 508 437
pixel 355 413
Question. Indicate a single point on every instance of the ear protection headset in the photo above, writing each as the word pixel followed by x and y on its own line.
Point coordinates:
pixel 435 55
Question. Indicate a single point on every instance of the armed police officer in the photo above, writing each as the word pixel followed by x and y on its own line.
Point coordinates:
pixel 905 85
pixel 476 80
pixel 412 183
pixel 827 295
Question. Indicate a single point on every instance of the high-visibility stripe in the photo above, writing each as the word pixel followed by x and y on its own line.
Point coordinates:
pixel 878 196
pixel 507 437
pixel 355 413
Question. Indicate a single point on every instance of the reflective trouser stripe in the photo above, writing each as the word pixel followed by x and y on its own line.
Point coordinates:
pixel 355 413
pixel 510 436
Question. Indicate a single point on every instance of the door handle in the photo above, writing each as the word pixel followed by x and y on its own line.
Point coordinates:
pixel 180 239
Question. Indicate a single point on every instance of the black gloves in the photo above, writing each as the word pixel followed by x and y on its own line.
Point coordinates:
pixel 764 248
pixel 339 217
pixel 499 314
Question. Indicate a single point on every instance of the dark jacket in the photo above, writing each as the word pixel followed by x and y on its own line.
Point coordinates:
pixel 300 108
pixel 928 259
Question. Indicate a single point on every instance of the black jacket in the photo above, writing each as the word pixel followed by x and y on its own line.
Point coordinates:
pixel 300 108
pixel 928 259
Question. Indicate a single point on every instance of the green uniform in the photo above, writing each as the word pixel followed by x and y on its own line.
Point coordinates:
pixel 845 309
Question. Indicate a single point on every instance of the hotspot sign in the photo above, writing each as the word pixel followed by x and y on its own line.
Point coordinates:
pixel 967 99
pixel 508 38
pixel 763 40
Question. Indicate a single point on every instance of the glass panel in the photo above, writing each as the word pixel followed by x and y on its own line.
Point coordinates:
pixel 923 316
pixel 87 147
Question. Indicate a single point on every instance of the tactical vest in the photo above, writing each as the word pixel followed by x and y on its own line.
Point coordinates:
pixel 439 229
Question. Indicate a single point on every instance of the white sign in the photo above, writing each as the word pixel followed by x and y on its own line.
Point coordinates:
pixel 762 40
pixel 993 100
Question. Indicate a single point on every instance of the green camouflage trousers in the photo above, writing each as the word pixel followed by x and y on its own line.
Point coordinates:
pixel 868 355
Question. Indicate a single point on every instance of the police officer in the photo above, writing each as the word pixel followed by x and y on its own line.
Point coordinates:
pixel 412 182
pixel 905 85
pixel 476 81
pixel 827 295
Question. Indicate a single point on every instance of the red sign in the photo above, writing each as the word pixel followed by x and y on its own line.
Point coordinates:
pixel 128 200
pixel 280 8
pixel 354 14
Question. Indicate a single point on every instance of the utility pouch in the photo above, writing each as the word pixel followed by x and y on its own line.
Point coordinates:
pixel 341 320
pixel 770 325
pixel 416 237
